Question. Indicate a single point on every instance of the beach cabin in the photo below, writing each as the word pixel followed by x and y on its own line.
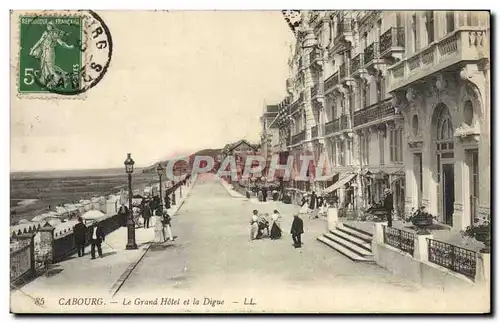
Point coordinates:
pixel 87 205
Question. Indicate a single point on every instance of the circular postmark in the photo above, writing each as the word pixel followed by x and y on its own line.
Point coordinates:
pixel 67 54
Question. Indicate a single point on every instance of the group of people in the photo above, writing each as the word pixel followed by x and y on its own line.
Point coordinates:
pixel 272 225
pixel 314 204
pixel 96 238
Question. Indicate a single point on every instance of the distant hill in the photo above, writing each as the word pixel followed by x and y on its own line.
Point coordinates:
pixel 181 167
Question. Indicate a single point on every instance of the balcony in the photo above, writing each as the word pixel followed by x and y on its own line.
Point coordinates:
pixel 300 64
pixel 345 71
pixel 315 57
pixel 344 29
pixel 295 106
pixel 315 91
pixel 331 82
pixel 298 138
pixel 332 126
pixel 371 54
pixel 375 112
pixel 392 43
pixel 465 44
pixel 314 131
pixel 357 63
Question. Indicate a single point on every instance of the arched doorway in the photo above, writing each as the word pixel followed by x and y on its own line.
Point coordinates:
pixel 444 146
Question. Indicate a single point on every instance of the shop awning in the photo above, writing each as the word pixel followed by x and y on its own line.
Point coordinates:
pixel 326 178
pixel 342 181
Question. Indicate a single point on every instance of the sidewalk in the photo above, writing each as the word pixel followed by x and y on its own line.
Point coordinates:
pixel 84 277
pixel 231 190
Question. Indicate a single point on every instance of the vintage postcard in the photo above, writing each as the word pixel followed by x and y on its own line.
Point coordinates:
pixel 293 161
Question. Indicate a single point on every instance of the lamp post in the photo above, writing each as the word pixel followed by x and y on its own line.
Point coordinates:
pixel 160 170
pixel 129 169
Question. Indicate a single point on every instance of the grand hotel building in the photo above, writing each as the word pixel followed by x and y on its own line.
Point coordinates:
pixel 397 100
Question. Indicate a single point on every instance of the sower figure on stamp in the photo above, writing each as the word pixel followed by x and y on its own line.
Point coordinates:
pixel 80 231
pixel 297 230
pixel 96 239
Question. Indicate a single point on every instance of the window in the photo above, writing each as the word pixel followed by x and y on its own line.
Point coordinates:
pixel 380 88
pixel 450 21
pixel 367 149
pixel 414 31
pixel 334 152
pixel 429 24
pixel 362 149
pixel 396 145
pixel 474 183
pixel 341 153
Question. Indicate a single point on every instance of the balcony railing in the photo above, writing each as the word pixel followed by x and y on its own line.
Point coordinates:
pixel 314 131
pixel 294 106
pixel 458 259
pixel 374 112
pixel 315 90
pixel 371 53
pixel 465 44
pixel 394 37
pixel 331 82
pixel 332 126
pixel 402 240
pixel 301 136
pixel 357 63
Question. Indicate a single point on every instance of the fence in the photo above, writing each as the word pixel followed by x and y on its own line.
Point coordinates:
pixel 457 259
pixel 402 240
pixel 22 258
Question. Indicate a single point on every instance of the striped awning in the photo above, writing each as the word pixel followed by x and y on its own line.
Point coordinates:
pixel 346 178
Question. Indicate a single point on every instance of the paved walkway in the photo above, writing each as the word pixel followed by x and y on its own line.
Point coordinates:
pixel 213 259
pixel 100 277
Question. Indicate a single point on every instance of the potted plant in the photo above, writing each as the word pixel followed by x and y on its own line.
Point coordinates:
pixel 481 231
pixel 422 220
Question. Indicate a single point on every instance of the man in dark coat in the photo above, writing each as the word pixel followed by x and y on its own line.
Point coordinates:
pixel 388 206
pixel 123 214
pixel 146 214
pixel 297 230
pixel 96 238
pixel 167 201
pixel 80 231
pixel 312 201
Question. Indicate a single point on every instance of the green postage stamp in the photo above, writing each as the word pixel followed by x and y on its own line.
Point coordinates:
pixel 50 58
pixel 61 53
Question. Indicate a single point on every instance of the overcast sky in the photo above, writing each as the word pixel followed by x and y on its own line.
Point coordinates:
pixel 178 82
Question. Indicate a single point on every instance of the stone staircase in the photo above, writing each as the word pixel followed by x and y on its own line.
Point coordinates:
pixel 352 242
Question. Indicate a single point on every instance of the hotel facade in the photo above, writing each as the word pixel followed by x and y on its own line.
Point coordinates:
pixel 397 100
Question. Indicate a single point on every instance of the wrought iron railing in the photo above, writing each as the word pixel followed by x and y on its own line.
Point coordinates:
pixel 21 258
pixel 315 90
pixel 294 106
pixel 371 52
pixel 394 37
pixel 402 240
pixel 332 81
pixel 332 126
pixel 301 136
pixel 357 63
pixel 457 259
pixel 374 112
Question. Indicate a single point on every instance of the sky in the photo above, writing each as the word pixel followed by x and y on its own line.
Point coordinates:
pixel 178 82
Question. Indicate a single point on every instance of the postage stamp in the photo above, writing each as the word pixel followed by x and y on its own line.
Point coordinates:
pixel 61 53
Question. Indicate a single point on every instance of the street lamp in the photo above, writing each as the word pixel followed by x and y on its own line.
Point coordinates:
pixel 129 169
pixel 160 170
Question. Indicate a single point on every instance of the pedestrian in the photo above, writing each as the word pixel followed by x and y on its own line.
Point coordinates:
pixel 123 215
pixel 313 204
pixel 96 239
pixel 167 201
pixel 80 231
pixel 146 214
pixel 321 204
pixel 275 225
pixel 254 226
pixel 264 194
pixel 388 206
pixel 158 223
pixel 167 225
pixel 304 205
pixel 297 230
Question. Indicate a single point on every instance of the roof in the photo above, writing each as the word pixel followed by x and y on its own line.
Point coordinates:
pixel 239 143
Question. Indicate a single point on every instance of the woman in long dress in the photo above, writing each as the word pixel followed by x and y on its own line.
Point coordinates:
pixel 305 206
pixel 275 225
pixel 254 226
pixel 158 223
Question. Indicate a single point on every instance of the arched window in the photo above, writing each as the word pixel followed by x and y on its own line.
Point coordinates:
pixel 444 135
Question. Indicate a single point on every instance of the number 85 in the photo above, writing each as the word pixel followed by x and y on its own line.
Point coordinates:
pixel 29 75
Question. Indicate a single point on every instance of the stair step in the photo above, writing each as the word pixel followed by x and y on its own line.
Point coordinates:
pixel 352 239
pixel 348 244
pixel 344 251
pixel 357 234
pixel 350 226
